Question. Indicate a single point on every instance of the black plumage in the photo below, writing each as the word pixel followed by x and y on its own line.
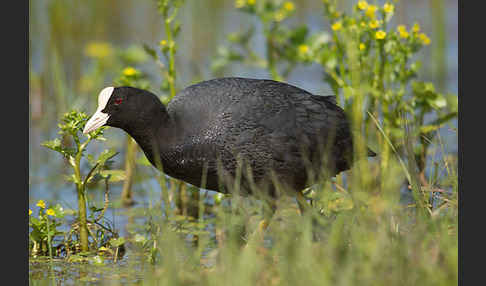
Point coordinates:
pixel 272 129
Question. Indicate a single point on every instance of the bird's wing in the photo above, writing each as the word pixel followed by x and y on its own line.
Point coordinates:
pixel 313 126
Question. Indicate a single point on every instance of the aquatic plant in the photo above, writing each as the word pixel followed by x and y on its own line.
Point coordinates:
pixel 72 147
pixel 44 228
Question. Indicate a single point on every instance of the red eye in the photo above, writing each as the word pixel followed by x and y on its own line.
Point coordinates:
pixel 118 100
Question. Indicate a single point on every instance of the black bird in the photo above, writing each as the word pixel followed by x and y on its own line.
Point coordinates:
pixel 275 133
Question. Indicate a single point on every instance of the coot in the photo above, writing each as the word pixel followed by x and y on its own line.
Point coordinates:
pixel 263 132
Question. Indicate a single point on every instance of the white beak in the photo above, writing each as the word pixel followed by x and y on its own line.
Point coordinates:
pixel 99 118
pixel 96 121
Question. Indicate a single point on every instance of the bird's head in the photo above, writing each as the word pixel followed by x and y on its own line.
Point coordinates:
pixel 124 107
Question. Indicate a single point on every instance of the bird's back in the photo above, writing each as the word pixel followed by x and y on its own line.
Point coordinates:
pixel 268 125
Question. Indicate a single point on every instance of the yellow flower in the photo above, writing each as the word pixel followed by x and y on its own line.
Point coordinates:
pixel 289 6
pixel 30 211
pixel 279 16
pixel 240 3
pixel 129 71
pixel 41 204
pixel 98 50
pixel 262 225
pixel 374 24
pixel 251 2
pixel 362 46
pixel 163 43
pixel 380 35
pixel 370 12
pixel 416 28
pixel 303 49
pixel 425 40
pixel 362 5
pixel 363 24
pixel 388 8
pixel 336 26
pixel 50 212
pixel 402 31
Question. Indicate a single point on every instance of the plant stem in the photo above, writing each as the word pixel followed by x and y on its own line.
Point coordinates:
pixel 127 198
pixel 49 240
pixel 438 58
pixel 270 53
pixel 182 194
pixel 83 227
pixel 107 202
pixel 49 245
pixel 164 194
pixel 380 85
pixel 172 74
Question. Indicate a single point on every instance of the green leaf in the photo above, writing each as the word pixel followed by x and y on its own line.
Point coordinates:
pixel 105 156
pixel 114 175
pixel 97 260
pixel 75 258
pixel 98 133
pixel 52 232
pixel 53 144
pixel 94 178
pixel 117 242
pixel 429 128
pixel 396 132
pixel 36 234
pixel 218 198
pixel 72 161
pixel 389 46
pixel 438 123
pixel 299 35
pixel 331 62
pixel 422 87
pixel 452 102
pixel 134 55
pixel 70 212
pixel 438 101
pixel 319 40
pixel 74 122
pixel 34 221
pixel 94 209
pixel 59 211
pixel 91 159
pixel 57 146
pixel 139 238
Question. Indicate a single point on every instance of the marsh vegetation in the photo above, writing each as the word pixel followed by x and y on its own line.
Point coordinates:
pixel 100 213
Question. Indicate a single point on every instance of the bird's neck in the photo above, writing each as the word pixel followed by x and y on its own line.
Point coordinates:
pixel 153 135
